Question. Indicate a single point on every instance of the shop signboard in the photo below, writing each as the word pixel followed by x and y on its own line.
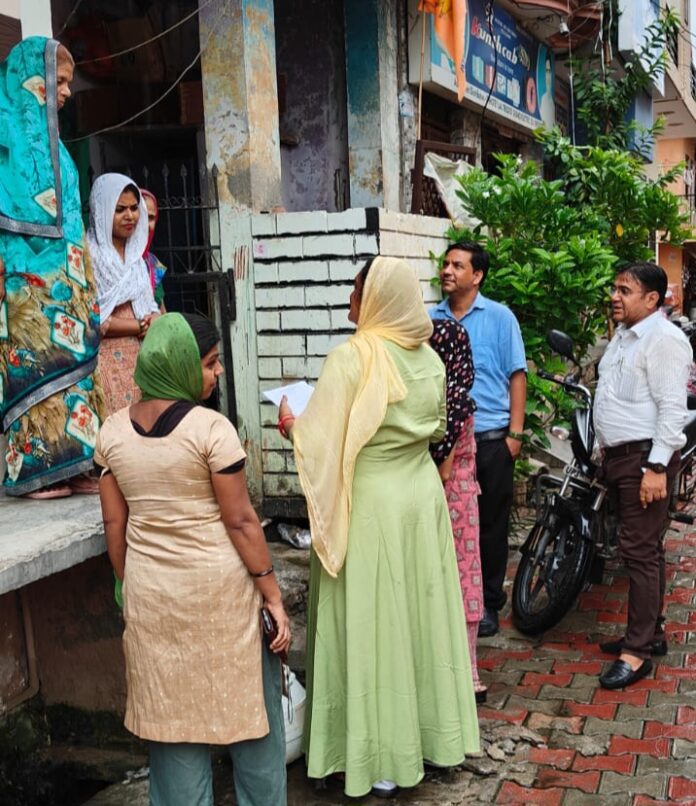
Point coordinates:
pixel 523 84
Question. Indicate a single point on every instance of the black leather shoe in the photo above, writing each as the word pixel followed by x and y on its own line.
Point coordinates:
pixel 489 623
pixel 657 648
pixel 481 696
pixel 620 674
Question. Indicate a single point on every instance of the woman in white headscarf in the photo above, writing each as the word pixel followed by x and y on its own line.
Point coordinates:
pixel 117 237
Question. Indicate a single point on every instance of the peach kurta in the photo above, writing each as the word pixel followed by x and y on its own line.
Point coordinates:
pixel 192 640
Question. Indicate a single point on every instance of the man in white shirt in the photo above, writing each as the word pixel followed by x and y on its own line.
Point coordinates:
pixel 639 415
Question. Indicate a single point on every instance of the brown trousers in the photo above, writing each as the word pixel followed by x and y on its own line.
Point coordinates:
pixel 641 533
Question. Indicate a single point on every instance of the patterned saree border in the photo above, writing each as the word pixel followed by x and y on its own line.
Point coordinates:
pixel 48 389
pixel 27 227
pixel 59 474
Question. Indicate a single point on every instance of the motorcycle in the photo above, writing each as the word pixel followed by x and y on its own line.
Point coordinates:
pixel 576 527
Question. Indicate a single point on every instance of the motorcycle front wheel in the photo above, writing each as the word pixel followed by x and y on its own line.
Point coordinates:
pixel 550 575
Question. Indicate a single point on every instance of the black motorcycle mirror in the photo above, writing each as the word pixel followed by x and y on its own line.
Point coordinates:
pixel 561 343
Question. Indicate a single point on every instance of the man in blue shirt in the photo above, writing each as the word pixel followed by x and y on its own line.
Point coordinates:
pixel 500 393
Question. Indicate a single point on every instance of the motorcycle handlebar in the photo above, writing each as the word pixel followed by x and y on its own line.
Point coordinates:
pixel 569 386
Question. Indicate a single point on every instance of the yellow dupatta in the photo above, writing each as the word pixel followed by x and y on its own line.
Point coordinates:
pixel 359 379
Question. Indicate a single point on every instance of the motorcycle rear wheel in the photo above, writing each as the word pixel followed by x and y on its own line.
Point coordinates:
pixel 550 576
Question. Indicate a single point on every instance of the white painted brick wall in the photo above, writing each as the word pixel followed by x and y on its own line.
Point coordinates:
pixel 265 273
pixel 342 270
pixel 309 367
pixel 366 245
pixel 317 245
pixel 306 319
pixel 270 368
pixel 315 271
pixel 328 295
pixel 351 220
pixel 301 223
pixel 304 267
pixel 322 345
pixel 267 320
pixel 279 345
pixel 274 248
pixel 280 297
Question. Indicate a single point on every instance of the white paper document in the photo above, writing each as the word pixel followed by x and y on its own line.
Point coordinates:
pixel 298 395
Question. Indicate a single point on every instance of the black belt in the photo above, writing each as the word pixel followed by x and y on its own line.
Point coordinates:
pixel 626 448
pixel 491 436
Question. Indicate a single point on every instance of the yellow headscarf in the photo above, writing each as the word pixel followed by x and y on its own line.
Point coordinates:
pixel 359 379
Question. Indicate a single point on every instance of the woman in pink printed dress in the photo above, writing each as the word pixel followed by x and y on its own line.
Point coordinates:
pixel 455 457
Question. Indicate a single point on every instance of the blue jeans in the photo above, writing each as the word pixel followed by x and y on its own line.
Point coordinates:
pixel 181 773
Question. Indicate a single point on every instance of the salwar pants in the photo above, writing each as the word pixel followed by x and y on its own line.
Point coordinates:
pixel 181 773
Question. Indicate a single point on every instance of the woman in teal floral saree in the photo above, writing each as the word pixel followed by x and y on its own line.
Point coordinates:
pixel 50 403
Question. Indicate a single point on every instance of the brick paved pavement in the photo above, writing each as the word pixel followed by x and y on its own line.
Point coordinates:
pixel 551 736
pixel 634 747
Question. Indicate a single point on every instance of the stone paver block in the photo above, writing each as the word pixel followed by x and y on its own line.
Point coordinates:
pixel 682 788
pixel 631 696
pixel 576 694
pixel 575 797
pixel 518 734
pixel 512 793
pixel 535 679
pixel 666 766
pixel 660 698
pixel 585 745
pixel 507 678
pixel 539 706
pixel 660 713
pixel 538 665
pixel 604 711
pixel 561 759
pixel 582 667
pixel 632 729
pixel 620 764
pixel 586 781
pixel 686 715
pixel 539 721
pixel 683 749
pixel 654 730
pixel 653 747
pixel 653 785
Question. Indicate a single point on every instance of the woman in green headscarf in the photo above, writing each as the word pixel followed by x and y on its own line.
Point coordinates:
pixel 183 536
pixel 50 403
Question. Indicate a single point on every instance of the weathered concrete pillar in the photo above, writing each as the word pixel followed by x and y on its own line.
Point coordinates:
pixel 373 103
pixel 241 135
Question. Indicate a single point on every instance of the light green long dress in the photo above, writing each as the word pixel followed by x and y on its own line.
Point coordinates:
pixel 388 673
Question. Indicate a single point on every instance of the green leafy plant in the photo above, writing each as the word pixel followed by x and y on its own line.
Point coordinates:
pixel 555 244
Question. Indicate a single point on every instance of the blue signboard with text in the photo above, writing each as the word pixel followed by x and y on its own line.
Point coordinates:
pixel 522 84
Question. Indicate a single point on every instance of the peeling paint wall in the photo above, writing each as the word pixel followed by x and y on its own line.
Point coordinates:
pixel 372 88
pixel 240 102
pixel 312 88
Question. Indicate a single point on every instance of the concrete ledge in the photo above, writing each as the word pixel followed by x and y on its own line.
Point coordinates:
pixel 40 538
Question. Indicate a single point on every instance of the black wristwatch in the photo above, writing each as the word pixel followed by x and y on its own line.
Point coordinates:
pixel 656 467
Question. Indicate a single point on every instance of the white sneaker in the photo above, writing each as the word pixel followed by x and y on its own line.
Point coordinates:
pixel 384 788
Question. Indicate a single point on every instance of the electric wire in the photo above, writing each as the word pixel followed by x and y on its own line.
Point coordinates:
pixel 169 89
pixel 69 17
pixel 147 41
pixel 489 20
